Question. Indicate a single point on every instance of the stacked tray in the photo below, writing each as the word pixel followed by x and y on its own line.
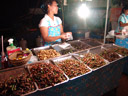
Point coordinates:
pixel 16 82
pixel 72 67
pixel 94 61
pixel 46 74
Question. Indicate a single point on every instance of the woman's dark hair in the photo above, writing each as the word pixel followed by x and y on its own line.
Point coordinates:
pixel 124 8
pixel 45 4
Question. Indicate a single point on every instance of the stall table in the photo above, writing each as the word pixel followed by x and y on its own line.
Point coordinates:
pixel 94 84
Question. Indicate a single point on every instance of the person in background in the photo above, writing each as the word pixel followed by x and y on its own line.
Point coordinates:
pixel 51 26
pixel 122 28
pixel 122 21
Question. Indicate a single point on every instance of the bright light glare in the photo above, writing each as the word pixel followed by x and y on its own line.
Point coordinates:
pixel 83 11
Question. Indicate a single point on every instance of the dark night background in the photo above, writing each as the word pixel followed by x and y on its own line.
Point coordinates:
pixel 17 22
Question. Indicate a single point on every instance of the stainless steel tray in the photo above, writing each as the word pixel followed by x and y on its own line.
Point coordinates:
pixel 81 54
pixel 110 46
pixel 63 58
pixel 91 42
pixel 79 45
pixel 29 66
pixel 100 49
pixel 68 50
pixel 14 72
pixel 37 50
pixel 123 51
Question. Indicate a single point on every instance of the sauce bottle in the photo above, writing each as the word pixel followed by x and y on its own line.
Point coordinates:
pixel 4 61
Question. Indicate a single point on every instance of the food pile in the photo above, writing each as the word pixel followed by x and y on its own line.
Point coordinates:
pixel 46 74
pixel 66 51
pixel 79 46
pixel 109 55
pixel 92 60
pixel 121 51
pixel 21 56
pixel 46 54
pixel 16 86
pixel 73 68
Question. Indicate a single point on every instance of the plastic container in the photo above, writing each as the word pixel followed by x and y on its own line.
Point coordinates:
pixel 10 49
pixel 23 44
pixel 39 42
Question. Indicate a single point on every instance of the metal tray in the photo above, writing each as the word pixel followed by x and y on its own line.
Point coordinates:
pixel 65 45
pixel 91 42
pixel 100 49
pixel 113 46
pixel 29 66
pixel 81 55
pixel 68 50
pixel 14 72
pixel 79 45
pixel 37 50
pixel 63 58
pixel 110 46
pixel 57 47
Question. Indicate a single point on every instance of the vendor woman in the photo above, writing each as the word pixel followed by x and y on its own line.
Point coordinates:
pixel 122 27
pixel 51 26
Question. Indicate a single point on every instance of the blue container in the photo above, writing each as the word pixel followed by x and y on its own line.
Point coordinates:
pixel 123 43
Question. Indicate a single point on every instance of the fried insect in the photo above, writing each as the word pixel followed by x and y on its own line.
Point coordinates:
pixel 79 46
pixel 92 60
pixel 46 54
pixel 46 74
pixel 73 68
pixel 66 51
pixel 121 51
pixel 109 55
pixel 17 86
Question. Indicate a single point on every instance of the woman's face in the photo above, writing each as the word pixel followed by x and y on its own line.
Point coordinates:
pixel 53 7
pixel 126 12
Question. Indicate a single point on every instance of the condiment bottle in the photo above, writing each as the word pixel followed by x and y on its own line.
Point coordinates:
pixel 11 47
pixel 39 42
pixel 4 61
pixel 23 44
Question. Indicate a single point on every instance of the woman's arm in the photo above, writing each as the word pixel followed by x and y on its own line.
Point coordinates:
pixel 123 24
pixel 44 33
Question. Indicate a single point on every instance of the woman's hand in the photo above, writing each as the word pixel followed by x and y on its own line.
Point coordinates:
pixel 63 36
pixel 66 35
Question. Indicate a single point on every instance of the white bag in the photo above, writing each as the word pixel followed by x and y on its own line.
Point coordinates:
pixel 112 33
